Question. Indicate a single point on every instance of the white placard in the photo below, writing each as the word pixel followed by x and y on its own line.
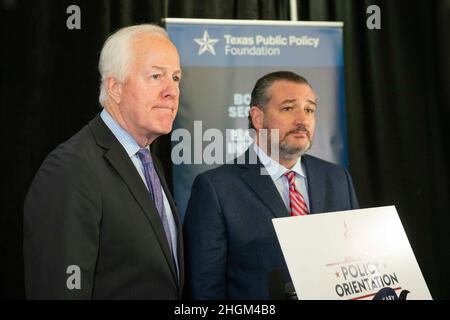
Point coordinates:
pixel 356 254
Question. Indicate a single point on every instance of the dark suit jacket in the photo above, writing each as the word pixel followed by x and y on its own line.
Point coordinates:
pixel 88 207
pixel 230 242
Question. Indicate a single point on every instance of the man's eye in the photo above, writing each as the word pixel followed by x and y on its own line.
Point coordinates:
pixel 310 110
pixel 176 78
pixel 156 76
pixel 287 108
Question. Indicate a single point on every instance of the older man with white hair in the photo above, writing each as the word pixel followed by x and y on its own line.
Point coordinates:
pixel 99 221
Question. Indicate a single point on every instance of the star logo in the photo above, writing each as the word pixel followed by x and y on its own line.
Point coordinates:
pixel 206 44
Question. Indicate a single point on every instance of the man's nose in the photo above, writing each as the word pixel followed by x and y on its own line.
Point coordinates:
pixel 171 88
pixel 301 117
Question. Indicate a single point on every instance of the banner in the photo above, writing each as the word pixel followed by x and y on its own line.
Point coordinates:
pixel 221 61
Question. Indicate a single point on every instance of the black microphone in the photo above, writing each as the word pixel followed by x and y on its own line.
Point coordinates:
pixel 279 289
pixel 289 291
pixel 275 281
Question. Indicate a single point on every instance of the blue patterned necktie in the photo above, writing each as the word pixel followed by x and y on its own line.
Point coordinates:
pixel 155 189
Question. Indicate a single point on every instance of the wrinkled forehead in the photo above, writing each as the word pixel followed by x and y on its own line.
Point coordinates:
pixel 151 41
pixel 287 89
pixel 154 50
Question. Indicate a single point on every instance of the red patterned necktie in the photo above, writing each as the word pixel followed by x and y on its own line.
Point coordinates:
pixel 297 202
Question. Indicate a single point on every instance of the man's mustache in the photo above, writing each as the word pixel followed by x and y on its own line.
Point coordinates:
pixel 298 129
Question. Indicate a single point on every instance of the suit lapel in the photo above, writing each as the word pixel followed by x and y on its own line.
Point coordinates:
pixel 119 159
pixel 316 185
pixel 264 188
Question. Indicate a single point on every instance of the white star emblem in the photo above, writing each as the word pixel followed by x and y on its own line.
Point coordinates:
pixel 206 44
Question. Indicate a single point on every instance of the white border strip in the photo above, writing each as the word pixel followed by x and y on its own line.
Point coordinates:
pixel 256 22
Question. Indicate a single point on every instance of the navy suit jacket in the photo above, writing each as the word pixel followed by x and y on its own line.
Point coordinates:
pixel 230 242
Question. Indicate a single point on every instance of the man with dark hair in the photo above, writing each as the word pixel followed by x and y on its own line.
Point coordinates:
pixel 259 96
pixel 231 247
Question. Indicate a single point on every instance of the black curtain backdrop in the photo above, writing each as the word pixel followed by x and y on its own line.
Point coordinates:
pixel 397 95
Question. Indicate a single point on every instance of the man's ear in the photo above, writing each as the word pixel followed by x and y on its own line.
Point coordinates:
pixel 257 116
pixel 114 89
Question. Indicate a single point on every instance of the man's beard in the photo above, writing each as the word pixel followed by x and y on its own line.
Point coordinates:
pixel 289 152
pixel 286 150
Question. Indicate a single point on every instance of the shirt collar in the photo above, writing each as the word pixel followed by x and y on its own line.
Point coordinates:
pixel 274 168
pixel 126 140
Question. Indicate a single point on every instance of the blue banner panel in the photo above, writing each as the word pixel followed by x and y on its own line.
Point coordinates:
pixel 221 61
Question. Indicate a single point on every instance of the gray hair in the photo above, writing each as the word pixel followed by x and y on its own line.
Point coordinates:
pixel 115 57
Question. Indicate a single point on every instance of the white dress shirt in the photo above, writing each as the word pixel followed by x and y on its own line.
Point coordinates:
pixel 277 171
